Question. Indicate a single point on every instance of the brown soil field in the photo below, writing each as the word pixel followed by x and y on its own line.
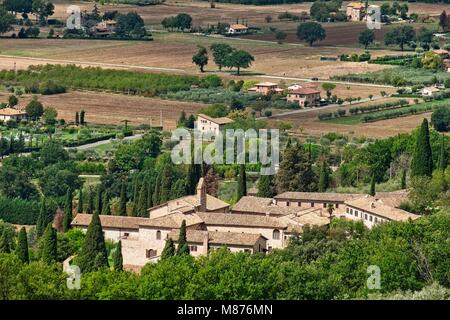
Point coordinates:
pixel 106 108
pixel 309 124
pixel 272 59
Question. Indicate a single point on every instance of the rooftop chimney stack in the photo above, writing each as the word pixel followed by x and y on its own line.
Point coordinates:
pixel 201 194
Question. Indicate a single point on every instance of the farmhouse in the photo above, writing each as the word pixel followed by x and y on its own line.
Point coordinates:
pixel 304 97
pixel 266 88
pixel 356 11
pixel 236 29
pixel 104 28
pixel 7 114
pixel 373 211
pixel 214 126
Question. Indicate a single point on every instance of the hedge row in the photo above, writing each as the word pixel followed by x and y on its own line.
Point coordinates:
pixel 391 114
pixel 379 107
pixel 19 211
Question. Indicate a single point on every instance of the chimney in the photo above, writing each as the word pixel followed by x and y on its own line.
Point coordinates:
pixel 201 195
pixel 372 205
pixel 205 242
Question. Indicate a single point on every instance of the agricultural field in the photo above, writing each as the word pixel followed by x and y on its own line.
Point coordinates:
pixel 107 108
pixel 307 123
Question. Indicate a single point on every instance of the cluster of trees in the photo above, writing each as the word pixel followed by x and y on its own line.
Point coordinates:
pixel 181 21
pixel 321 11
pixel 42 9
pixel 319 265
pixel 224 55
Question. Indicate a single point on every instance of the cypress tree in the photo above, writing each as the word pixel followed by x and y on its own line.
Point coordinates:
pixel 179 188
pixel 422 162
pixel 182 119
pixel 106 206
pixel 5 242
pixel 93 255
pixel 403 181
pixel 80 201
pixel 118 259
pixel 67 220
pixel 90 205
pixel 183 247
pixel 136 190
pixel 242 182
pixel 442 164
pixel 41 220
pixel 150 186
pixel 156 192
pixel 22 246
pixel 99 199
pixel 265 186
pixel 169 249
pixel 324 178
pixel 122 211
pixel 372 186
pixel 77 119
pixel 166 184
pixel 48 245
pixel 142 201
pixel 82 114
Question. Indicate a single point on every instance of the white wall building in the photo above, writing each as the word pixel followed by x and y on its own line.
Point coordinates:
pixel 211 125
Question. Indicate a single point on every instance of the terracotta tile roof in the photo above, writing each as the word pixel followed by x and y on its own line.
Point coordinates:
pixel 222 120
pixel 119 222
pixel 371 205
pixel 317 196
pixel 311 217
pixel 392 199
pixel 248 220
pixel 11 112
pixel 356 5
pixel 262 205
pixel 304 91
pixel 238 26
pixel 189 203
pixel 172 221
pixel 219 238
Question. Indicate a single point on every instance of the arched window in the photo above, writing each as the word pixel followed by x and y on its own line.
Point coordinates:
pixel 158 235
pixel 276 234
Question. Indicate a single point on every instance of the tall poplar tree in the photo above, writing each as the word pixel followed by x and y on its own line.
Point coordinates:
pixel 324 178
pixel 99 199
pixel 372 191
pixel 422 162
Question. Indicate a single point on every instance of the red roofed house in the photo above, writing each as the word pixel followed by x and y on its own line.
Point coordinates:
pixel 237 29
pixel 266 88
pixel 305 97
